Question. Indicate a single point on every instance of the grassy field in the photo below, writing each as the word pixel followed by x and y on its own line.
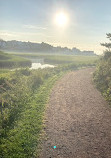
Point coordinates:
pixel 11 61
pixel 60 59
pixel 22 138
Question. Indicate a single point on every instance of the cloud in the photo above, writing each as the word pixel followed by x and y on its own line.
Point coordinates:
pixel 34 27
pixel 5 34
pixel 11 33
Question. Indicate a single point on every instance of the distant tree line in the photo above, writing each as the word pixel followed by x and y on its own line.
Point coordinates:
pixel 40 47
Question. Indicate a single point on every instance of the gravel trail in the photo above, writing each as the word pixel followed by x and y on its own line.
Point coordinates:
pixel 78 119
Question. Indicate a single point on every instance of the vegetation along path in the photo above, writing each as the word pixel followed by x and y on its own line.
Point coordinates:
pixel 78 119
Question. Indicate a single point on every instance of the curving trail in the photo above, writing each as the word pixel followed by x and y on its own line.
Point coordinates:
pixel 78 119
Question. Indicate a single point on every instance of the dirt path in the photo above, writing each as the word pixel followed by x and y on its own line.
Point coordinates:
pixel 78 120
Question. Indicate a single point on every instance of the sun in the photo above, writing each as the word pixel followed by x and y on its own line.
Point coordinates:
pixel 61 19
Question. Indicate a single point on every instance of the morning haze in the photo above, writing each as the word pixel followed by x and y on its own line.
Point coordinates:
pixel 34 20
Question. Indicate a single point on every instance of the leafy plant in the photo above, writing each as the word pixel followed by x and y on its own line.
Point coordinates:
pixel 102 75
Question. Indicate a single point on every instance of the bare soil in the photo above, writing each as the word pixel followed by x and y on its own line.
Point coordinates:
pixel 78 119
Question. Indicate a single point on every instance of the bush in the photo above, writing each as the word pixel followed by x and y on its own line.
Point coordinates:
pixel 102 75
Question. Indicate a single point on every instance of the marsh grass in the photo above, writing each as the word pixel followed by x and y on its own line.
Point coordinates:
pixel 11 61
pixel 60 59
pixel 24 138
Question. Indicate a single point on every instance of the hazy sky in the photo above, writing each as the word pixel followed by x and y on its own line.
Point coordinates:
pixel 33 20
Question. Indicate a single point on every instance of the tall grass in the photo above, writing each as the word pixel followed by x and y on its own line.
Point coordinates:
pixel 11 61
pixel 60 59
pixel 23 139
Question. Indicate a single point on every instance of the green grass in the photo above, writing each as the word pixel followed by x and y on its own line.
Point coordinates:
pixel 60 59
pixel 22 141
pixel 11 61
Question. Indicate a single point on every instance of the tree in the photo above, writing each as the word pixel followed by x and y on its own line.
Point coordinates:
pixel 107 45
pixel 107 52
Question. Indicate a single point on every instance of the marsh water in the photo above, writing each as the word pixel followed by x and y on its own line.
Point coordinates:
pixel 42 66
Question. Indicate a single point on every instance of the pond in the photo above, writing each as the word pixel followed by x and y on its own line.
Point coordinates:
pixel 37 66
pixel 42 66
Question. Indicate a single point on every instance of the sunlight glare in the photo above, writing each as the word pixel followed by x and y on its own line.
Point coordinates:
pixel 61 19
